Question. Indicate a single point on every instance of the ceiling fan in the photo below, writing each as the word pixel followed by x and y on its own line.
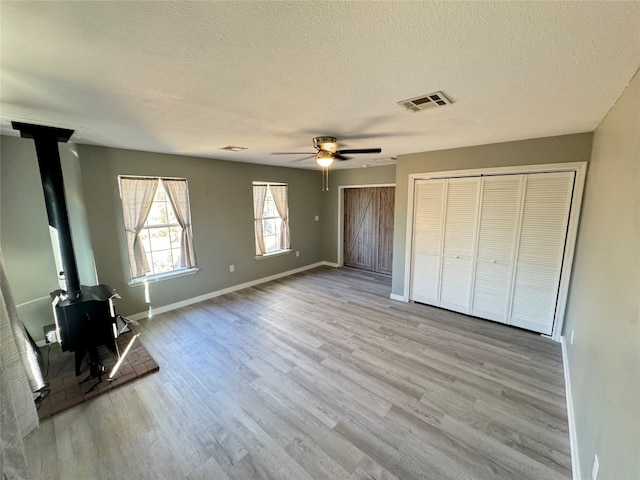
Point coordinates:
pixel 327 151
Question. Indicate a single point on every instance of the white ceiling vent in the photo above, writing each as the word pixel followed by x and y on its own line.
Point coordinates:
pixel 425 102
pixel 233 148
pixel 380 162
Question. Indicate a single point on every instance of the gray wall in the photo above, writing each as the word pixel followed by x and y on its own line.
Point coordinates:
pixel 221 198
pixel 604 299
pixel 24 230
pixel 566 148
pixel 73 190
pixel 338 178
pixel 221 210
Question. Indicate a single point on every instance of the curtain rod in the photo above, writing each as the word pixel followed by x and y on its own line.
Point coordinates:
pixel 150 177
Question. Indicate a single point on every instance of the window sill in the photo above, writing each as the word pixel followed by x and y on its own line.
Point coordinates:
pixel 162 276
pixel 273 254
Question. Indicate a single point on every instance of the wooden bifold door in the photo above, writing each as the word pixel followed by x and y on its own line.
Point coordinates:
pixel 368 228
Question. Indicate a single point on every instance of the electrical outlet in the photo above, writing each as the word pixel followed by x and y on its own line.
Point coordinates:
pixel 317 218
pixel 232 268
pixel 594 469
pixel 52 337
pixel 572 332
pixel 297 253
pixel 49 332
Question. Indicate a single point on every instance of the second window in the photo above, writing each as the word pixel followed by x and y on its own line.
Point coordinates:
pixel 271 215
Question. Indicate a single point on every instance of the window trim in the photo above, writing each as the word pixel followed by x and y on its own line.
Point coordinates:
pixel 273 254
pixel 156 277
pixel 283 251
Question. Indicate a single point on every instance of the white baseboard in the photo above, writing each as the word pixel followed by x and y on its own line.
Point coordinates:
pixel 224 291
pixel 399 298
pixel 573 439
pixel 331 264
pixel 40 299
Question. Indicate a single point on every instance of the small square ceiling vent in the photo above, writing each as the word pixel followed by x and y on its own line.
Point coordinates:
pixel 425 102
pixel 233 148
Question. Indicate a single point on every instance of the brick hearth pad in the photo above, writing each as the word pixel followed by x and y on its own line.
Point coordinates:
pixel 65 388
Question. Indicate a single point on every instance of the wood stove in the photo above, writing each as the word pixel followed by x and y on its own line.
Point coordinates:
pixel 85 315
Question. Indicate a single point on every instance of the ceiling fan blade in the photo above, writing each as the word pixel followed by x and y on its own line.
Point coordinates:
pixel 303 158
pixel 292 153
pixel 338 156
pixel 360 150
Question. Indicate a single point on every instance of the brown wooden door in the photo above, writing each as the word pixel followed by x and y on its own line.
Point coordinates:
pixel 368 228
pixel 387 196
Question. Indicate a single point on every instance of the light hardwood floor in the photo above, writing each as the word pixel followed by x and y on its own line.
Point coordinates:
pixel 322 376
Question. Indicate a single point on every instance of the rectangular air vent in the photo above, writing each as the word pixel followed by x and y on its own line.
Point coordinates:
pixel 233 148
pixel 424 102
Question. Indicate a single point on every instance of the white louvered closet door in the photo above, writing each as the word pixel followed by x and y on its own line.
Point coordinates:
pixel 497 238
pixel 541 249
pixel 427 240
pixel 460 221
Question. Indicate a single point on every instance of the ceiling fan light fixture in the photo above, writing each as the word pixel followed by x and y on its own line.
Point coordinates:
pixel 329 144
pixel 324 159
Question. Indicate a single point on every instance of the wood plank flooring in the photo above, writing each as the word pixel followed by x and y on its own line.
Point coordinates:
pixel 321 376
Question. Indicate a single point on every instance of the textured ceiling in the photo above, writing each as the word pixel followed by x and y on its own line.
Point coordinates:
pixel 190 78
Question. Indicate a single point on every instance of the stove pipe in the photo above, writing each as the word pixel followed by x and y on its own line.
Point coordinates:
pixel 46 140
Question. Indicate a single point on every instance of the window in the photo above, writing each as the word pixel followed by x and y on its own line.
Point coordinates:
pixel 157 220
pixel 271 215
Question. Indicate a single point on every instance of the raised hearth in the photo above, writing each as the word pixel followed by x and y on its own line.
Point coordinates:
pixel 66 390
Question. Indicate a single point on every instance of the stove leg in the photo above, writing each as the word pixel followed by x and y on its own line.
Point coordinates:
pixel 96 369
pixel 79 356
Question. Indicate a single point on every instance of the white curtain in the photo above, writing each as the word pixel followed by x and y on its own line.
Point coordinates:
pixel 137 197
pixel 19 377
pixel 179 197
pixel 279 193
pixel 259 196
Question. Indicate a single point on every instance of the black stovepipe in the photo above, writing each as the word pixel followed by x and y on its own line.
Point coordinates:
pixel 46 140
